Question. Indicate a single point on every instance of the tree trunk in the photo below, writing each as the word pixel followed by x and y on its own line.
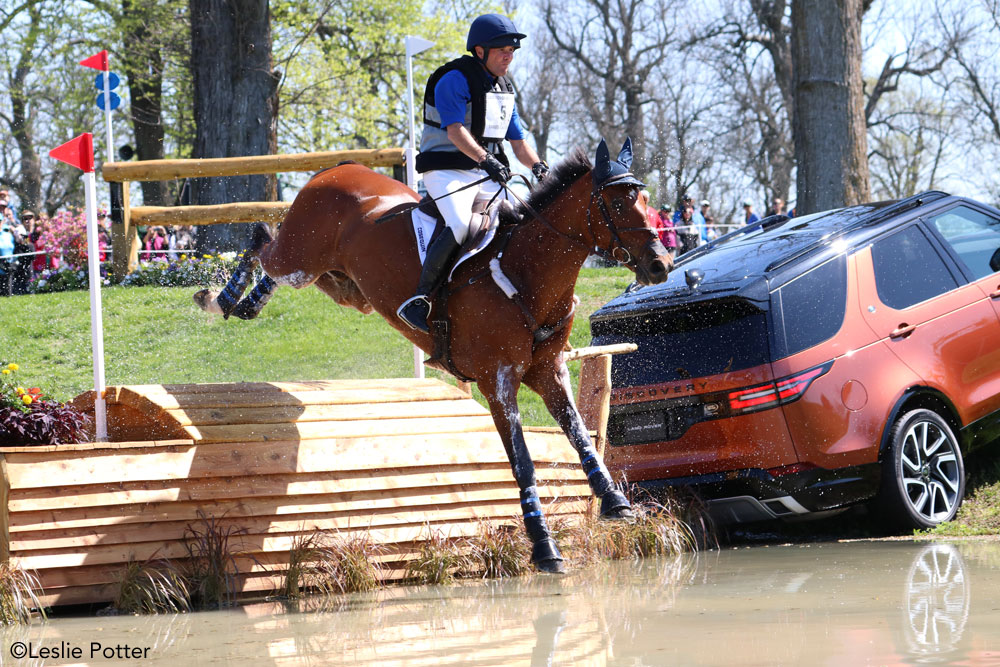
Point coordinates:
pixel 235 104
pixel 143 68
pixel 29 184
pixel 829 117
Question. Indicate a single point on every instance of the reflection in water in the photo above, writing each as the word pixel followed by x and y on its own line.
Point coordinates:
pixel 838 604
pixel 937 601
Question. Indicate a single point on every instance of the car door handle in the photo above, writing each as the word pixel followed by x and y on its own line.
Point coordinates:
pixel 902 331
pixel 995 295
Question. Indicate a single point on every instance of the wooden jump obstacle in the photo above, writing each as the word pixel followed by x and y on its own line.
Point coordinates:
pixel 125 217
pixel 393 459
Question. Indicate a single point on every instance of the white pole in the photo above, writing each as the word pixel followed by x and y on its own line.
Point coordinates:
pixel 414 45
pixel 107 115
pixel 96 327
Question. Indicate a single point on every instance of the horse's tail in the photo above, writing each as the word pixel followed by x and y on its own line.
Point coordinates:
pixel 228 301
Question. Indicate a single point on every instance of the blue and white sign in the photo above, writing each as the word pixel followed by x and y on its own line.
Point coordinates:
pixel 115 101
pixel 113 81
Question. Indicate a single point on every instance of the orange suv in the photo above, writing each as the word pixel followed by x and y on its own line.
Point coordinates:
pixel 801 365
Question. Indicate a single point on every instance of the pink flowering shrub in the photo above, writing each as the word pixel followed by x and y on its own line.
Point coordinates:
pixel 66 235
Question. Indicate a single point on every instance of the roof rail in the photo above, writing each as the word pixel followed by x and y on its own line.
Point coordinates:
pixel 878 216
pixel 763 223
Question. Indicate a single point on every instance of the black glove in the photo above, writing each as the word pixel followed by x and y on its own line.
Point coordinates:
pixel 495 168
pixel 540 169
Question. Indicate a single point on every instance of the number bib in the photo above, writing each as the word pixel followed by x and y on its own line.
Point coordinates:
pixel 499 108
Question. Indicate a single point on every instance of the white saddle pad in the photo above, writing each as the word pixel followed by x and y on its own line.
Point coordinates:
pixel 423 227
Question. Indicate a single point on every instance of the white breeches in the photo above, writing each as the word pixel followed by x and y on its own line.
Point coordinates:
pixel 458 208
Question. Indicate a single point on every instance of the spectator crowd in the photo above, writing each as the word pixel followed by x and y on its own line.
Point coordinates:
pixel 28 248
pixel 685 228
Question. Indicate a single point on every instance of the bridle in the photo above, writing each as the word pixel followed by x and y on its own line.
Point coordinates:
pixel 615 244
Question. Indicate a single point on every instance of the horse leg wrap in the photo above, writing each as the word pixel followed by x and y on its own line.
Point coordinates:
pixel 253 303
pixel 544 552
pixel 597 474
pixel 231 293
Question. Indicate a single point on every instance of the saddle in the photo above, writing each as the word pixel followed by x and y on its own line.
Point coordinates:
pixel 428 223
pixel 494 231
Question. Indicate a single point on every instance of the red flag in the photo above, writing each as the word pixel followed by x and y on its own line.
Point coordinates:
pixel 77 152
pixel 97 61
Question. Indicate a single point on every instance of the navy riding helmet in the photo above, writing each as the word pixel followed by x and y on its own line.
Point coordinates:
pixel 493 31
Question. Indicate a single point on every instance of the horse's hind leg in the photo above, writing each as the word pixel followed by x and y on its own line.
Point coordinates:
pixel 225 302
pixel 552 383
pixel 501 393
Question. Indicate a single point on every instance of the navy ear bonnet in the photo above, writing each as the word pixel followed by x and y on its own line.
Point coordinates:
pixel 493 31
pixel 616 172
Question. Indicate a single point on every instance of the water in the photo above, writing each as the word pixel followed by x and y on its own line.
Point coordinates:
pixel 882 603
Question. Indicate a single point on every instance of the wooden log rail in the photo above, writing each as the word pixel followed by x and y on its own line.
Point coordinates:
pixel 125 218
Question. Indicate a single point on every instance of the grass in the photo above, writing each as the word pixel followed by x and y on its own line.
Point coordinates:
pixel 18 600
pixel 980 511
pixel 342 565
pixel 152 587
pixel 156 335
pixel 212 567
pixel 439 560
pixel 500 550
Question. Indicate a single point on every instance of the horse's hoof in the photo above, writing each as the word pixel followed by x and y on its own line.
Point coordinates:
pixel 551 566
pixel 619 514
pixel 206 301
pixel 615 507
pixel 546 557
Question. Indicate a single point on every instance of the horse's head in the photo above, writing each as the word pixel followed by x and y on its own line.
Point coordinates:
pixel 617 218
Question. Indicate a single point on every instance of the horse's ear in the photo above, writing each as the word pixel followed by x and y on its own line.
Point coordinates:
pixel 625 156
pixel 603 154
pixel 602 164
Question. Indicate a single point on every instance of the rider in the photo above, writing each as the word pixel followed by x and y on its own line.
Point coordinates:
pixel 468 111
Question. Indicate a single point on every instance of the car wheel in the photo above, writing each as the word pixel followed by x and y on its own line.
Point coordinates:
pixel 923 476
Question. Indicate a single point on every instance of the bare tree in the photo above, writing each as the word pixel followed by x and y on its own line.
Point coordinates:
pixel 538 107
pixel 617 45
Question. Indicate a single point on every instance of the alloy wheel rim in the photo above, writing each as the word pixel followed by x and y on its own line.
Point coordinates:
pixel 930 471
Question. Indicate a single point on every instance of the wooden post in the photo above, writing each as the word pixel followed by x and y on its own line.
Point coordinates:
pixel 594 399
pixel 4 512
pixel 124 239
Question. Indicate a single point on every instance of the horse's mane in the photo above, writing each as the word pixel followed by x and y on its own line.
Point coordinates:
pixel 563 175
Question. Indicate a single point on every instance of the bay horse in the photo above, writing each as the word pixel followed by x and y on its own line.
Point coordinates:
pixel 347 234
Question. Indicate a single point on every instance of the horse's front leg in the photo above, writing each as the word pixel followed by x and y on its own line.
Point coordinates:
pixel 551 382
pixel 501 394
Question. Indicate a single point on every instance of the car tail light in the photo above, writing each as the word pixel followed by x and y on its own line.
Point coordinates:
pixel 771 394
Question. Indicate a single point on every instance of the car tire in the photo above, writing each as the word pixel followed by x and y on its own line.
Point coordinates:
pixel 923 475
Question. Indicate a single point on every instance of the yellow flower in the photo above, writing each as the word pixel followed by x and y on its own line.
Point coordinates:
pixel 27 400
pixel 5 371
pixel 13 367
pixel 20 391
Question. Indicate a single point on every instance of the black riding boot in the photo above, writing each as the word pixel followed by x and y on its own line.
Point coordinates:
pixel 415 310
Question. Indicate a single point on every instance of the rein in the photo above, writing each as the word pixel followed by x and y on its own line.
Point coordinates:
pixel 608 253
pixel 389 216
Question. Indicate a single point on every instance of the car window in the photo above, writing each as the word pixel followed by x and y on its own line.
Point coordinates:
pixel 974 237
pixel 908 270
pixel 810 308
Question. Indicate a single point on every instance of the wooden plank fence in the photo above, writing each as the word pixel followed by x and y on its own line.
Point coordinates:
pixel 125 217
pixel 394 459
